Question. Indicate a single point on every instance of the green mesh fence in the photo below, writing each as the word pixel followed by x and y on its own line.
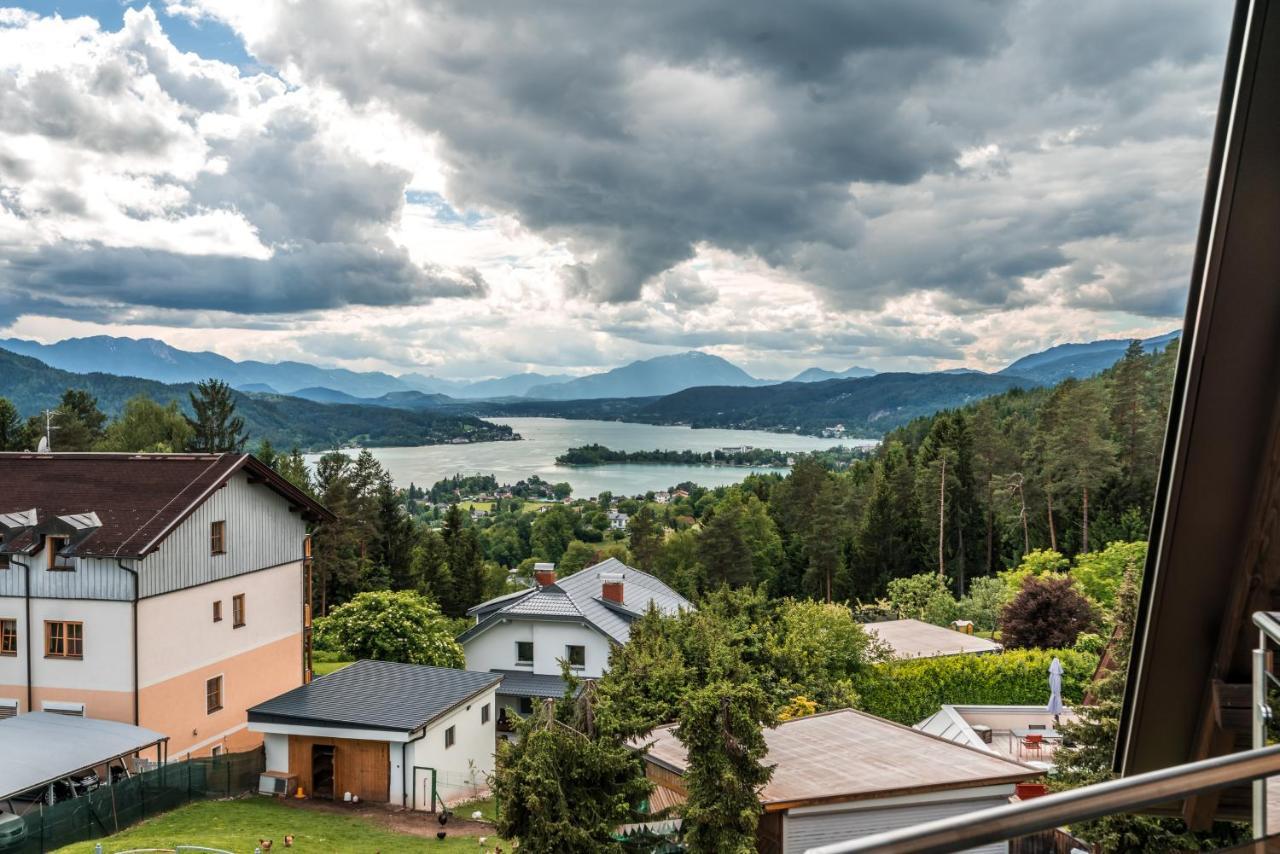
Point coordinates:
pixel 109 809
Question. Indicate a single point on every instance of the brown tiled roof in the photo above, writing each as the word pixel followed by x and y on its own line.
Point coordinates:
pixel 847 755
pixel 139 498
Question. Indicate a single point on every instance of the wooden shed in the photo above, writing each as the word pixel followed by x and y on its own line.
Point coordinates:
pixel 845 774
pixel 401 733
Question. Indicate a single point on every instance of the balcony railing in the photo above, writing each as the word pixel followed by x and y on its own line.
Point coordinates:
pixel 1113 797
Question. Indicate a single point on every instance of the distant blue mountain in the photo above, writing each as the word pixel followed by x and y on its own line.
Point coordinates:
pixel 1080 360
pixel 515 385
pixel 650 378
pixel 817 375
pixel 395 399
pixel 156 360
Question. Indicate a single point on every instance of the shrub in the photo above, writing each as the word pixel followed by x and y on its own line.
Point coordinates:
pixel 1099 573
pixel 982 606
pixel 910 690
pixel 923 597
pixel 403 626
pixel 1048 613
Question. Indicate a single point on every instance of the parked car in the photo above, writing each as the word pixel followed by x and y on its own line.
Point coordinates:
pixel 13 831
pixel 60 790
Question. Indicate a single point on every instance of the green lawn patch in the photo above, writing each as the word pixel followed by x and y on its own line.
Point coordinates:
pixel 237 825
pixel 488 808
pixel 322 667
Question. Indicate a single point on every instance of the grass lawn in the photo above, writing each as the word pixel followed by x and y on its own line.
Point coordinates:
pixel 488 505
pixel 237 826
pixel 488 808
pixel 323 667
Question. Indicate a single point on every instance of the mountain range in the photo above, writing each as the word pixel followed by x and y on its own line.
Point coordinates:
pixel 1079 360
pixel 817 375
pixel 149 358
pixel 691 388
pixel 287 422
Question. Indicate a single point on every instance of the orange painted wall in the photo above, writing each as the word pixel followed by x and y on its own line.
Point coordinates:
pixel 111 705
pixel 177 706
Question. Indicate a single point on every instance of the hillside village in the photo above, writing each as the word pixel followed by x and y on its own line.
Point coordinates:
pixel 352 642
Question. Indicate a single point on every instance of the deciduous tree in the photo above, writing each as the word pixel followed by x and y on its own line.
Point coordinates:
pixel 1048 613
pixel 399 626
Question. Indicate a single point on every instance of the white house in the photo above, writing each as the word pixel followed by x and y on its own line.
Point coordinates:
pixel 524 635
pixel 618 521
pixel 167 591
pixel 384 732
pixel 1026 733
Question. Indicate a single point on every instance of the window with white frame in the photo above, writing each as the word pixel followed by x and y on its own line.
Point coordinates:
pixel 524 652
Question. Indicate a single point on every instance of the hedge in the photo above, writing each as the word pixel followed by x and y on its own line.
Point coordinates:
pixel 911 690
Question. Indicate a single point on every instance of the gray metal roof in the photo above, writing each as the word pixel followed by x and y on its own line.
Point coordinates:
pixel 578 597
pixel 518 683
pixel 375 695
pixel 40 747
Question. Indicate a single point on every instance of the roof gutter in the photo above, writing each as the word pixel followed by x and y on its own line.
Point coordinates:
pixel 404 769
pixel 134 573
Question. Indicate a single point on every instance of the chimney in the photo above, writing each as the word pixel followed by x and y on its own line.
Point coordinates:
pixel 544 573
pixel 611 586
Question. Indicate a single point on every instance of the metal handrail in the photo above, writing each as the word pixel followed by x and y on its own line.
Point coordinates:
pixel 1123 795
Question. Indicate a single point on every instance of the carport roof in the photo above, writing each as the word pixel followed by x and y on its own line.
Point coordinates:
pixel 381 695
pixel 40 747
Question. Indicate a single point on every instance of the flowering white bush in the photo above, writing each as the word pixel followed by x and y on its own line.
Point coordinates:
pixel 391 626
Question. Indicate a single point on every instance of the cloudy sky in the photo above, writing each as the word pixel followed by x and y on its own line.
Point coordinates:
pixel 477 188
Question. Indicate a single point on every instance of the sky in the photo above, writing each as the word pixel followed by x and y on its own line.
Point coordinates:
pixel 476 189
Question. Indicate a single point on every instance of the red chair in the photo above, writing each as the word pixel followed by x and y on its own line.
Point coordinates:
pixel 1027 791
pixel 1032 743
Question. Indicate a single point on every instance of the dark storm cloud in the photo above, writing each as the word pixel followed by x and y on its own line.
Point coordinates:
pixel 639 131
pixel 308 277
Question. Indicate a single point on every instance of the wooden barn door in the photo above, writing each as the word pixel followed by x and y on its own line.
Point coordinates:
pixel 359 767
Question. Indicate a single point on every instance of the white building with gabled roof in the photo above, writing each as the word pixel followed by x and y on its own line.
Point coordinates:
pixel 579 619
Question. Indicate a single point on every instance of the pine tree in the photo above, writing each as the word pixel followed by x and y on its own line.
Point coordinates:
pixel 78 423
pixel 645 535
pixel 888 543
pixel 336 551
pixel 293 468
pixel 723 550
pixel 825 577
pixel 563 789
pixel 1089 742
pixel 1081 457
pixel 11 435
pixel 792 505
pixel 266 454
pixel 216 429
pixel 396 538
pixel 721 727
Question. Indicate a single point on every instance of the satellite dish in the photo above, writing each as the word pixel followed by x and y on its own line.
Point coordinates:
pixel 43 447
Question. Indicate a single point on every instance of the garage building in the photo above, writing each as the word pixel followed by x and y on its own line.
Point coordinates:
pixel 388 732
pixel 845 774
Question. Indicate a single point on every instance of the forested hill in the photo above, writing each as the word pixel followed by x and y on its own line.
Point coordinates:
pixel 866 406
pixel 1069 467
pixel 285 421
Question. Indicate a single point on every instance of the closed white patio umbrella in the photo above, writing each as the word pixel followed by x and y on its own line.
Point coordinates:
pixel 1055 689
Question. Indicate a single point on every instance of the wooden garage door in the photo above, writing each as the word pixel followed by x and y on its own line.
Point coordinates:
pixel 359 767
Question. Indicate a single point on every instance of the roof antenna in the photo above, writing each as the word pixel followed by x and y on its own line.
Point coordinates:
pixel 46 441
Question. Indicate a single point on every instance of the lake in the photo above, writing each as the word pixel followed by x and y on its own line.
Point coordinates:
pixel 547 438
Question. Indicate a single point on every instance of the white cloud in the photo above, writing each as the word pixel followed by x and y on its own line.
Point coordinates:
pixel 474 190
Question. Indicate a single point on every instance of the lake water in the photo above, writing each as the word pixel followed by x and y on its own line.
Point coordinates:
pixel 547 438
